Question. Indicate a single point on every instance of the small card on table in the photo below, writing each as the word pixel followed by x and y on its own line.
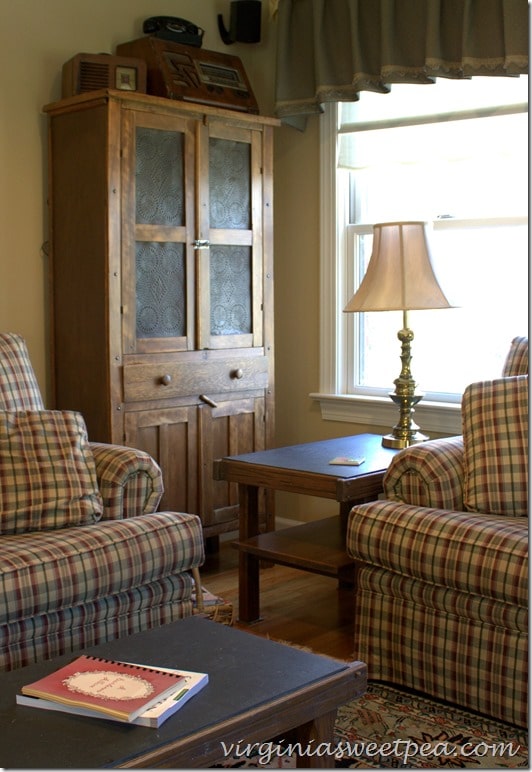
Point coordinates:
pixel 347 460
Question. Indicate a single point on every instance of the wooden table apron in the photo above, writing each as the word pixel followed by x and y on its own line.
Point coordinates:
pixel 303 469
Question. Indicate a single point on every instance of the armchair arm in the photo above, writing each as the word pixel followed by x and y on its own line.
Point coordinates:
pixel 429 474
pixel 130 481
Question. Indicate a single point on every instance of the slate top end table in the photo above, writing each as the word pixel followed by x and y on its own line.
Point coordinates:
pixel 318 546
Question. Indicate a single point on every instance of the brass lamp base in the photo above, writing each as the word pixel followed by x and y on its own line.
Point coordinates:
pixel 405 432
pixel 390 441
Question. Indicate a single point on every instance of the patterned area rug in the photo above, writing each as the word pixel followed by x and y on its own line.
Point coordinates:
pixel 391 729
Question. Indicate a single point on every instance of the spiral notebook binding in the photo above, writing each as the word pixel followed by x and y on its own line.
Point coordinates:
pixel 133 666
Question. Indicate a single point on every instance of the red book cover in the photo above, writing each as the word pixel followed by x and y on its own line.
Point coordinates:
pixel 113 688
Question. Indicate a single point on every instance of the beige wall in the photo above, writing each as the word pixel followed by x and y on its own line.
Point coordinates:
pixel 36 38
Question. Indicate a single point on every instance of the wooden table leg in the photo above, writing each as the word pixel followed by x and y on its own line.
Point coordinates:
pixel 248 572
pixel 317 738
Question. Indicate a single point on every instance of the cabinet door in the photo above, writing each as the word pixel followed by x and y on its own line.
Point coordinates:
pixel 232 427
pixel 157 232
pixel 229 237
pixel 169 435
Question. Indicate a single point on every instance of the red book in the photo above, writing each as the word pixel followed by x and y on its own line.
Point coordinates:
pixel 113 688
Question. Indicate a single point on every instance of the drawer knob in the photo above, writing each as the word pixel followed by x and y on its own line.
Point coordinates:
pixel 166 379
pixel 238 373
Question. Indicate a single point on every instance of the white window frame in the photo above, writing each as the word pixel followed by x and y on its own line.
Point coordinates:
pixel 338 330
pixel 439 417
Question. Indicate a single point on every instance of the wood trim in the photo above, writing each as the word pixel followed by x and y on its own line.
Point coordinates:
pixel 161 105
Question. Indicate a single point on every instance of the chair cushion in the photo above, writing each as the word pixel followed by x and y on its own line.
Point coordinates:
pixel 52 570
pixel 478 554
pixel 47 471
pixel 495 430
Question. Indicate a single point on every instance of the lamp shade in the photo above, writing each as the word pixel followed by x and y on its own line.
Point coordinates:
pixel 400 276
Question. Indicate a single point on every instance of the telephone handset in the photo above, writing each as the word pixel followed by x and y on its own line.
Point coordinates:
pixel 173 28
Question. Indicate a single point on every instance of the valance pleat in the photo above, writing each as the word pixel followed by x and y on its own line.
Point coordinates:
pixel 330 50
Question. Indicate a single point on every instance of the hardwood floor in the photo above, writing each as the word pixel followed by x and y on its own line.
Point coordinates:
pixel 296 606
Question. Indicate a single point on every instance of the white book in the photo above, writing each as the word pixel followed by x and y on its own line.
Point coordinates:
pixel 153 717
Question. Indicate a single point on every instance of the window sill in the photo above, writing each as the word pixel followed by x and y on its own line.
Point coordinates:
pixel 440 417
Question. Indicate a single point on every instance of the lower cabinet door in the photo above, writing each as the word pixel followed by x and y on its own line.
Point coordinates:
pixel 170 436
pixel 185 442
pixel 229 429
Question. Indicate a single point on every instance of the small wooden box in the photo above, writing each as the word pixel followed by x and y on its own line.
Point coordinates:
pixel 90 72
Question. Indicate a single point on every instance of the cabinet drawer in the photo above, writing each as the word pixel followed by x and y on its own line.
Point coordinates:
pixel 180 379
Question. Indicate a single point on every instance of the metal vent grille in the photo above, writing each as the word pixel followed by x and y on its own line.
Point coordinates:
pixel 93 75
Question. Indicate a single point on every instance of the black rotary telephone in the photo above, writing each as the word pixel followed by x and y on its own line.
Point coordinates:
pixel 175 29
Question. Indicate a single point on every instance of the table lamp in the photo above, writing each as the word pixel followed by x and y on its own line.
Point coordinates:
pixel 400 277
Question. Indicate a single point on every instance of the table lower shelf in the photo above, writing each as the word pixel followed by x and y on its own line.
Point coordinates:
pixel 318 547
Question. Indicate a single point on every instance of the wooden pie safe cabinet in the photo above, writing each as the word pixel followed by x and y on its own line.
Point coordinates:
pixel 162 285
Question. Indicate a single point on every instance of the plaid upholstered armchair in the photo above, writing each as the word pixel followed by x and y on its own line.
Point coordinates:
pixel 84 556
pixel 442 597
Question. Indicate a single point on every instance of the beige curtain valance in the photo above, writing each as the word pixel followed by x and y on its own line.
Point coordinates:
pixel 330 50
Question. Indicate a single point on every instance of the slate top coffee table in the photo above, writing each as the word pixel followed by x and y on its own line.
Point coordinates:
pixel 317 546
pixel 258 690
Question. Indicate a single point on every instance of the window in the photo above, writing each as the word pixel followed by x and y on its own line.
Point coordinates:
pixel 452 154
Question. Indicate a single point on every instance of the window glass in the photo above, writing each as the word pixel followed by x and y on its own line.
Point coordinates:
pixel 467 176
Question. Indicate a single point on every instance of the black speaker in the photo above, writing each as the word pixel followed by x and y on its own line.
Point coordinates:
pixel 244 24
